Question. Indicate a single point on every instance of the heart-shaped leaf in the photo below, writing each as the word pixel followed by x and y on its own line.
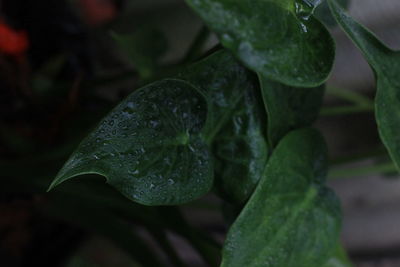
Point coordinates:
pixel 235 123
pixel 279 39
pixel 291 219
pixel 289 107
pixel 149 147
pixel 386 65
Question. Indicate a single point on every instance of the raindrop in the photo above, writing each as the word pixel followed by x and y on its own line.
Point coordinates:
pixel 130 105
pixel 153 123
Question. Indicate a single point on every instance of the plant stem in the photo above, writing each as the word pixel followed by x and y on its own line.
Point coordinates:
pixel 344 110
pixel 161 237
pixel 351 96
pixel 356 157
pixel 362 171
pixel 197 45
pixel 360 103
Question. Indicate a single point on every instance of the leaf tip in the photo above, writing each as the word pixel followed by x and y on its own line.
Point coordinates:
pixel 55 183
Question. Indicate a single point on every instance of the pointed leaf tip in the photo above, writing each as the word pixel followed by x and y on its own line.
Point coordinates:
pixel 150 146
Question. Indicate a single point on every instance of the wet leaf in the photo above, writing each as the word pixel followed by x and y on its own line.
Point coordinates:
pixel 235 123
pixel 292 219
pixel 289 107
pixel 386 65
pixel 149 147
pixel 241 150
pixel 279 39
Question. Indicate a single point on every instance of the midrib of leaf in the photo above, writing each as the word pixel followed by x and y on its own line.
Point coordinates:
pixel 309 197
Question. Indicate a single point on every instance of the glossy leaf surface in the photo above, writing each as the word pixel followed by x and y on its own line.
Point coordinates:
pixel 149 147
pixel 386 65
pixel 289 107
pixel 292 219
pixel 241 150
pixel 279 39
pixel 235 123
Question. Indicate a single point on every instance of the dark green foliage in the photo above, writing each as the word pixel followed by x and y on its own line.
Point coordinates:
pixel 235 125
pixel 238 122
pixel 292 219
pixel 149 147
pixel 289 107
pixel 386 65
pixel 143 48
pixel 279 39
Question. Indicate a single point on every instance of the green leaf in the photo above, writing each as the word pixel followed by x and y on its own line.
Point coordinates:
pixel 143 48
pixel 292 219
pixel 339 258
pixel 235 123
pixel 323 13
pixel 289 107
pixel 386 65
pixel 241 150
pixel 279 39
pixel 149 147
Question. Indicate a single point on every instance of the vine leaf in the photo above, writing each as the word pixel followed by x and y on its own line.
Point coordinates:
pixel 323 13
pixel 242 151
pixel 279 39
pixel 291 219
pixel 149 147
pixel 386 65
pixel 235 124
pixel 289 107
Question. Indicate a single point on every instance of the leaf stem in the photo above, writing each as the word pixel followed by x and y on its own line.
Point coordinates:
pixel 356 157
pixel 197 45
pixel 362 171
pixel 350 96
pixel 345 110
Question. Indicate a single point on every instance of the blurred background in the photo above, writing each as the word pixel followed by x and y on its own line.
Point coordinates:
pixel 64 64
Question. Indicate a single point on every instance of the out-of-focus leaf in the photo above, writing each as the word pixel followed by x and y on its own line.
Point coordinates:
pixel 386 65
pixel 339 258
pixel 323 13
pixel 143 48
